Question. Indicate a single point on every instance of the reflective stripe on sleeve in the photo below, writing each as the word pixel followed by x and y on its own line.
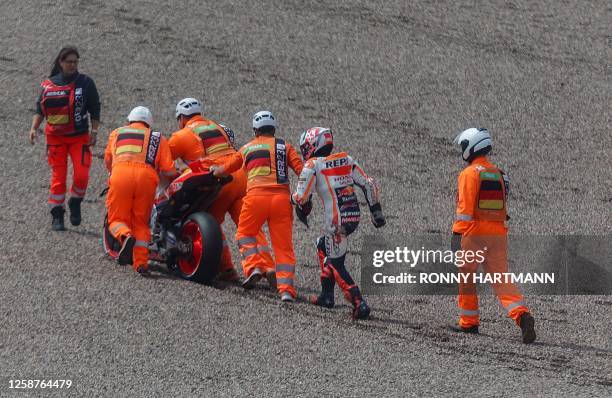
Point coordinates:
pixel 463 217
pixel 141 243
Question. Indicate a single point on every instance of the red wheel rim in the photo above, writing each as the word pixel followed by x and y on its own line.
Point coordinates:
pixel 191 233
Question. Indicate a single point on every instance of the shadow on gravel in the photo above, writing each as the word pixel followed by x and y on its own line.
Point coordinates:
pixel 575 347
pixel 379 322
pixel 81 232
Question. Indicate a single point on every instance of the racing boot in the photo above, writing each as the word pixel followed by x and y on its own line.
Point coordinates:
pixel 527 323
pixel 74 204
pixel 326 298
pixel 57 222
pixel 323 300
pixel 361 310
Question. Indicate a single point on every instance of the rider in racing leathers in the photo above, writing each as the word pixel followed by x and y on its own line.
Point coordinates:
pixel 333 176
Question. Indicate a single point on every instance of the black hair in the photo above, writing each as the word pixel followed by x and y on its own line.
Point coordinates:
pixel 266 130
pixel 64 52
pixel 481 152
pixel 188 116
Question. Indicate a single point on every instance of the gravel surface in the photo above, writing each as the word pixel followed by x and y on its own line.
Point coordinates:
pixel 396 80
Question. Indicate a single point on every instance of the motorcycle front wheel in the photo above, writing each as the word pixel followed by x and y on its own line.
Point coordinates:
pixel 201 236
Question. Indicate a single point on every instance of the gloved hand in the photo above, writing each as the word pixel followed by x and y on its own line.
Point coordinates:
pixel 217 171
pixel 456 242
pixel 377 216
pixel 302 212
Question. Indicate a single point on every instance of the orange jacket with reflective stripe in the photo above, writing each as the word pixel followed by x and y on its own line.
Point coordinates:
pixel 266 160
pixel 200 138
pixel 137 144
pixel 481 196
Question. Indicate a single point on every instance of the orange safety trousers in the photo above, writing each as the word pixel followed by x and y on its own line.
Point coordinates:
pixel 230 200
pixel 129 202
pixel 273 207
pixel 58 150
pixel 490 237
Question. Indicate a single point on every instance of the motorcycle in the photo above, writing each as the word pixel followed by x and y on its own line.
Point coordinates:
pixel 183 235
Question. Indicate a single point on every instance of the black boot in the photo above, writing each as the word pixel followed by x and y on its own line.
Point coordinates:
pixel 461 329
pixel 361 310
pixel 57 223
pixel 74 204
pixel 527 323
pixel 326 298
pixel 323 300
pixel 127 249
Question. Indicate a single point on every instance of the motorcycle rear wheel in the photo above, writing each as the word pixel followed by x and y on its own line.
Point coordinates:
pixel 203 234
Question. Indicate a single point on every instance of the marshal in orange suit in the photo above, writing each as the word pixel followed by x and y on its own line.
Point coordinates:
pixel 135 156
pixel 266 160
pixel 480 224
pixel 202 139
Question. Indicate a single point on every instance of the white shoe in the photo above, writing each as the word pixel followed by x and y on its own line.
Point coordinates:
pixel 252 280
pixel 286 297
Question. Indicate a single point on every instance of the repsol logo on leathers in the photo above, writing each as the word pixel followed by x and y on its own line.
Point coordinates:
pixel 336 163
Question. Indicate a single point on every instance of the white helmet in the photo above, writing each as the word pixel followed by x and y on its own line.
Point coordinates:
pixel 264 118
pixel 315 139
pixel 474 141
pixel 141 114
pixel 188 107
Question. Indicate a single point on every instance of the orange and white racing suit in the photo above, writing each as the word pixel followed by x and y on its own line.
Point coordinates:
pixel 333 177
pixel 204 139
pixel 134 156
pixel 266 160
pixel 481 220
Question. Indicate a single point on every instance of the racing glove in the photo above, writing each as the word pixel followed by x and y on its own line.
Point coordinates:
pixel 377 216
pixel 302 212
